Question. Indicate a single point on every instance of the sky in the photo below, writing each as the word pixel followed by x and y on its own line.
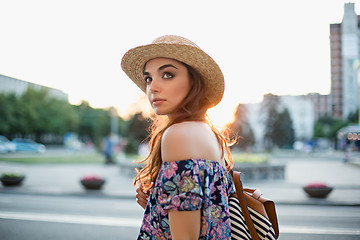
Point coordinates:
pixel 279 46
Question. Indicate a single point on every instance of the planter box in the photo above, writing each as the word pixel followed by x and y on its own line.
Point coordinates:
pixel 260 171
pixel 314 192
pixel 92 184
pixel 12 181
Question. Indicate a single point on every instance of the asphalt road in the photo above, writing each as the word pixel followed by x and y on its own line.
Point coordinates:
pixel 36 217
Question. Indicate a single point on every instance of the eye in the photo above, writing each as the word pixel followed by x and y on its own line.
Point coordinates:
pixel 168 75
pixel 148 79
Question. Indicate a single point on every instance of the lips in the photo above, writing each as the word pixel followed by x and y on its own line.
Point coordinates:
pixel 157 101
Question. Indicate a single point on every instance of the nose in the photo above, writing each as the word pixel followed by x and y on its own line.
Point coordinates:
pixel 154 86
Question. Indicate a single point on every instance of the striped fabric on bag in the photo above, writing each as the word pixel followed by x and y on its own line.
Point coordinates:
pixel 239 230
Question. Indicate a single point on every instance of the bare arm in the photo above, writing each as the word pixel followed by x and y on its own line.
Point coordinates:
pixel 188 140
pixel 185 225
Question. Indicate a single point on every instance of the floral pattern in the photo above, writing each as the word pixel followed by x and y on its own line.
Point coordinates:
pixel 189 185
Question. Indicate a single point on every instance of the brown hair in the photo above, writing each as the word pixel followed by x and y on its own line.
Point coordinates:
pixel 192 108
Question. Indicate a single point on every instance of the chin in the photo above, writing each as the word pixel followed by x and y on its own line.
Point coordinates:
pixel 162 112
pixel 159 112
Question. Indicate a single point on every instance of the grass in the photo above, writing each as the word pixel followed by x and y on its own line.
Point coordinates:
pixel 78 158
pixel 238 157
pixel 65 158
pixel 256 158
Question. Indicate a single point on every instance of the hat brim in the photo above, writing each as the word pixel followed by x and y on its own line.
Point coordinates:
pixel 134 60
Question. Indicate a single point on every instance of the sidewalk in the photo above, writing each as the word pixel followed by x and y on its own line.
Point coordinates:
pixel 64 179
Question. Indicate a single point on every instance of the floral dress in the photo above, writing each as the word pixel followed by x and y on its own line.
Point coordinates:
pixel 189 185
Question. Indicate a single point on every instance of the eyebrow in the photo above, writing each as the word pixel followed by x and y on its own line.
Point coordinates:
pixel 166 66
pixel 161 68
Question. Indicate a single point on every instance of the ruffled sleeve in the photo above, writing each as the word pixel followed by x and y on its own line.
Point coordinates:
pixel 180 186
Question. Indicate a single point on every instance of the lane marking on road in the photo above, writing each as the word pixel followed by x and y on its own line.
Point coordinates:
pixel 134 222
pixel 349 214
pixel 318 230
pixel 77 219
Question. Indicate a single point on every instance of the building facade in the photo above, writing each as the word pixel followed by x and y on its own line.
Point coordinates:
pixel 18 87
pixel 302 113
pixel 344 97
pixel 301 110
pixel 345 52
pixel 321 104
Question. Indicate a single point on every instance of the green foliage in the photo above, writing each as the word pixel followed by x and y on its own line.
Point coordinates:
pixel 136 132
pixel 8 109
pixel 353 117
pixel 94 123
pixel 321 130
pixel 65 159
pixel 284 131
pixel 249 158
pixel 240 129
pixel 327 127
pixel 279 129
pixel 132 145
pixel 269 110
pixel 11 175
pixel 37 113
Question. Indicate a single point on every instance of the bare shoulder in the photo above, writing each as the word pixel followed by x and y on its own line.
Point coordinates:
pixel 186 129
pixel 189 140
pixel 184 132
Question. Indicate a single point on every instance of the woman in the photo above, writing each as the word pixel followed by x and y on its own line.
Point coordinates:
pixel 184 186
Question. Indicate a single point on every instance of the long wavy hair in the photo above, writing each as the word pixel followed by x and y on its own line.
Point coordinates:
pixel 192 108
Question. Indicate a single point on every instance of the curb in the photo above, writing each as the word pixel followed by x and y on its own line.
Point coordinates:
pixel 355 162
pixel 88 194
pixel 101 195
pixel 318 203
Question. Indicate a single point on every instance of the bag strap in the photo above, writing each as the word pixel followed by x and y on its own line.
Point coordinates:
pixel 243 205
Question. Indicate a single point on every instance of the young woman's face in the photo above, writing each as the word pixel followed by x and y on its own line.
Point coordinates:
pixel 168 83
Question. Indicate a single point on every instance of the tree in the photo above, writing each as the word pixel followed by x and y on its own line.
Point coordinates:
pixel 270 114
pixel 7 113
pixel 354 117
pixel 136 131
pixel 327 127
pixel 35 113
pixel 279 129
pixel 63 117
pixel 45 114
pixel 94 123
pixel 284 134
pixel 240 129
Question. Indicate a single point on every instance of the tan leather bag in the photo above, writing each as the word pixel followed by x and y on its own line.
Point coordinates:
pixel 252 198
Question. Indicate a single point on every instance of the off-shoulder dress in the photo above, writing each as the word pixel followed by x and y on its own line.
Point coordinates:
pixel 189 185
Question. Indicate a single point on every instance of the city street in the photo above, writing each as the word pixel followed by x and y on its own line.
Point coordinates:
pixel 51 203
pixel 268 89
pixel 34 217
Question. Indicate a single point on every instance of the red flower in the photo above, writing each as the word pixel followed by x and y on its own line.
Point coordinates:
pixel 317 185
pixel 91 178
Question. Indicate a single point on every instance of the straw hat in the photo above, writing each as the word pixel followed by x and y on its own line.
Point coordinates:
pixel 180 49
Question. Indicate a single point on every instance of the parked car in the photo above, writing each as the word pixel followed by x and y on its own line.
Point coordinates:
pixel 3 148
pixel 28 145
pixel 7 145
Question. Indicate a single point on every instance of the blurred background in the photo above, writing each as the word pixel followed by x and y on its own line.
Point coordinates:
pixel 69 113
